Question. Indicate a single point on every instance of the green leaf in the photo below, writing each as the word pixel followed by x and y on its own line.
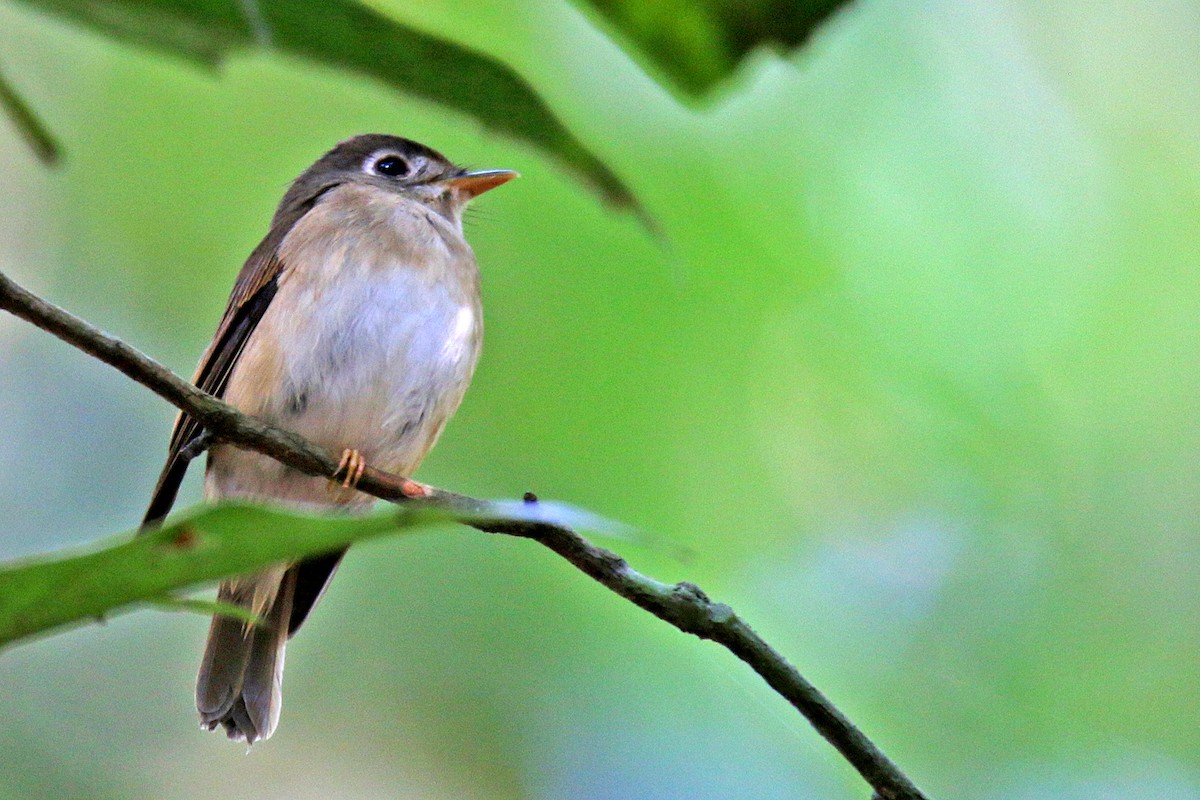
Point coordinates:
pixel 202 545
pixel 346 35
pixel 216 541
pixel 36 135
pixel 696 44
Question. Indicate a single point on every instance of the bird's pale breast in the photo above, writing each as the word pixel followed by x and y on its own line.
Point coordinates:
pixel 369 342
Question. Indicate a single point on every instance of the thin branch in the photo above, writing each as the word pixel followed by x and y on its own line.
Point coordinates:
pixel 683 605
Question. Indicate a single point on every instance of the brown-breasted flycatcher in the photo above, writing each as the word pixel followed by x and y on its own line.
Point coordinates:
pixel 356 324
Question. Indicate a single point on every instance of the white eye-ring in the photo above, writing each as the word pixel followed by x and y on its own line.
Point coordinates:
pixel 389 165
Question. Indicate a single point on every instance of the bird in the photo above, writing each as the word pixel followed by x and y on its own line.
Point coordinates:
pixel 357 324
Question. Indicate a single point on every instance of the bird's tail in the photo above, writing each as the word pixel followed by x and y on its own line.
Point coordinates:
pixel 241 675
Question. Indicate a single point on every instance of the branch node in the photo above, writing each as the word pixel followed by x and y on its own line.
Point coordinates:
pixel 720 613
pixel 198 445
pixel 696 613
pixel 691 592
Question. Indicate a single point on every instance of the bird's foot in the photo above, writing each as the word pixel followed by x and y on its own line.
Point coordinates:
pixel 354 465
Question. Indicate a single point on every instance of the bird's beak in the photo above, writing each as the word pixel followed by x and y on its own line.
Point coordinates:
pixel 473 184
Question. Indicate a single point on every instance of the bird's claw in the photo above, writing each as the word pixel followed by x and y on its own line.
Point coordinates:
pixel 354 465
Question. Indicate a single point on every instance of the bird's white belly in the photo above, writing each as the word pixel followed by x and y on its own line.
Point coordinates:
pixel 377 360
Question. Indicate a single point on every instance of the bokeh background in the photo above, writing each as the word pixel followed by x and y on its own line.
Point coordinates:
pixel 908 374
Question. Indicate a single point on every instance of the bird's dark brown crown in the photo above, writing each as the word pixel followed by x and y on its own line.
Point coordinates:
pixel 342 161
pixel 349 154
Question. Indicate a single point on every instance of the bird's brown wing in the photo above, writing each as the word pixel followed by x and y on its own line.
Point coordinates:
pixel 252 294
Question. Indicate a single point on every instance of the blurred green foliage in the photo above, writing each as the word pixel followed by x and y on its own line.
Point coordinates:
pixel 912 373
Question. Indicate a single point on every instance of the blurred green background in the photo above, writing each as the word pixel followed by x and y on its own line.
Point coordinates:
pixel 910 370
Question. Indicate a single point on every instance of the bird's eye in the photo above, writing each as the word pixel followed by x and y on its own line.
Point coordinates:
pixel 391 166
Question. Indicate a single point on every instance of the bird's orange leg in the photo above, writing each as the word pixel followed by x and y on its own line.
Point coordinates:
pixel 354 465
